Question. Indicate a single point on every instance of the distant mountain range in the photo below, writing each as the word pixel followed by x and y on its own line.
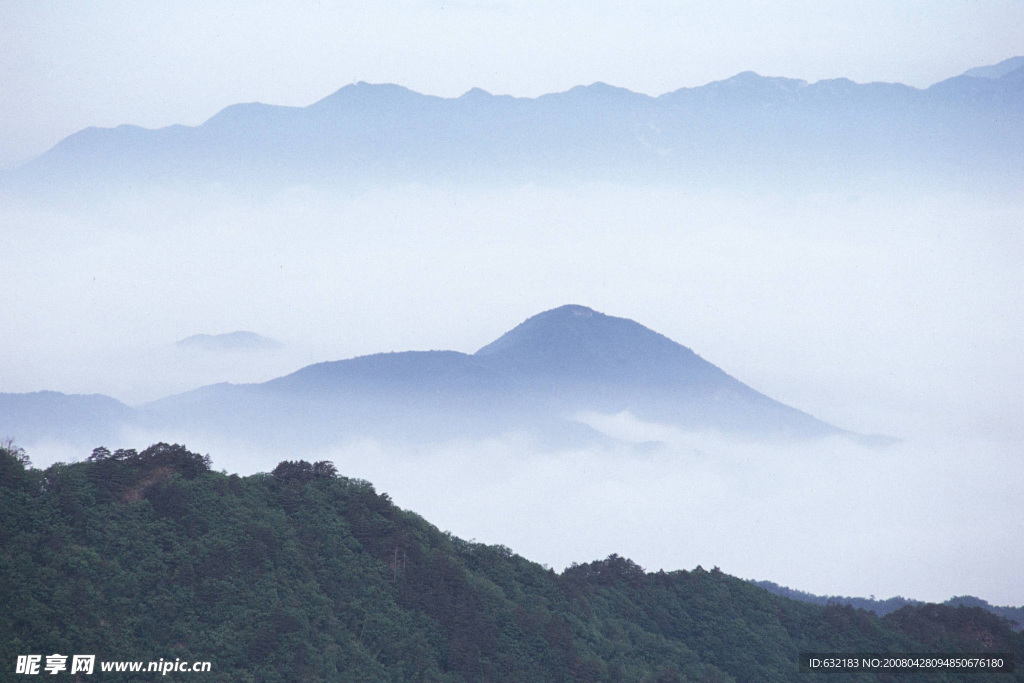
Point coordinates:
pixel 1015 615
pixel 964 129
pixel 537 379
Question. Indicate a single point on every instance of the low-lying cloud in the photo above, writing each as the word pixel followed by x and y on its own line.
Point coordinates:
pixel 925 518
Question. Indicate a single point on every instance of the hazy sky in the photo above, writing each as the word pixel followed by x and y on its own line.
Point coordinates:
pixel 68 65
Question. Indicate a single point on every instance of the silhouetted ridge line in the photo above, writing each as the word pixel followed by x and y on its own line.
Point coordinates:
pixel 547 378
pixel 746 127
pixel 539 378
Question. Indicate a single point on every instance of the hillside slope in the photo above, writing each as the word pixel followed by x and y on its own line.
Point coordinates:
pixel 304 575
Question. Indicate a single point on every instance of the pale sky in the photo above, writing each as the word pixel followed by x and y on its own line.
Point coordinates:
pixel 68 65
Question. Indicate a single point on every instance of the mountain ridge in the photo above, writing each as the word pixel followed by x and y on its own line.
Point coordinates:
pixel 747 124
pixel 1013 614
pixel 539 378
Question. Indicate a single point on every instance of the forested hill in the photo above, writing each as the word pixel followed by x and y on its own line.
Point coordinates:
pixel 304 575
pixel 882 607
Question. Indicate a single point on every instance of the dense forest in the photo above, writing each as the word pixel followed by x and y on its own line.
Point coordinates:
pixel 305 575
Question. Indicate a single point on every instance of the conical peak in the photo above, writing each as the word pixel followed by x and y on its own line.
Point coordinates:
pixel 546 329
pixel 569 311
pixel 580 342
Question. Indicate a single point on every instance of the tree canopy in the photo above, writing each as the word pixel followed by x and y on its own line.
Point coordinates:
pixel 303 574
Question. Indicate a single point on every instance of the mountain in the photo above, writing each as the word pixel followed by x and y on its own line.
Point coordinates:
pixel 231 341
pixel 581 360
pixel 63 418
pixel 538 379
pixel 304 575
pixel 744 128
pixel 542 379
